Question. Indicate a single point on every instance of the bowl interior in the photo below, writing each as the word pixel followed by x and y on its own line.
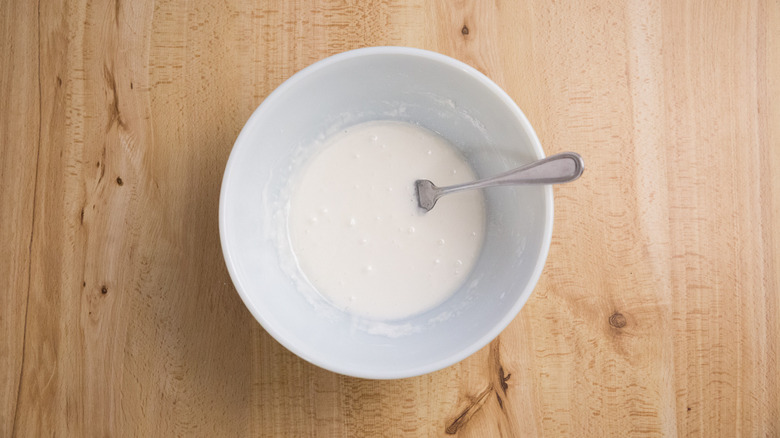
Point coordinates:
pixel 409 85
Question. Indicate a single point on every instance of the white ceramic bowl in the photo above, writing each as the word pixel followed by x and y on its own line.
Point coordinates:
pixel 393 83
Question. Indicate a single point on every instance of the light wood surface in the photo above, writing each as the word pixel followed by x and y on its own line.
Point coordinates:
pixel 656 314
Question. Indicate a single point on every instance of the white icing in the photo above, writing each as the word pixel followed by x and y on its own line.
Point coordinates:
pixel 356 230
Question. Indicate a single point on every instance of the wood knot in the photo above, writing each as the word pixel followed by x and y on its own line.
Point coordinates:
pixel 465 30
pixel 119 181
pixel 617 320
pixel 103 290
pixel 503 378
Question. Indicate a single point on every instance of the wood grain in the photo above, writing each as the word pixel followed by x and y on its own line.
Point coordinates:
pixel 657 312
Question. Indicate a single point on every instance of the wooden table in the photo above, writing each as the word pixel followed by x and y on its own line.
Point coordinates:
pixel 657 312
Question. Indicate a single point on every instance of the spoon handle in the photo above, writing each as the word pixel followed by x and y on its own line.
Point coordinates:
pixel 555 169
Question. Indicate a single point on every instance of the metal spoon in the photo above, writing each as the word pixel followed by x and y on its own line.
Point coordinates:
pixel 555 169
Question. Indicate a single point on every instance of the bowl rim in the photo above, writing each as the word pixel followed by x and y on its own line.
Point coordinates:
pixel 466 350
